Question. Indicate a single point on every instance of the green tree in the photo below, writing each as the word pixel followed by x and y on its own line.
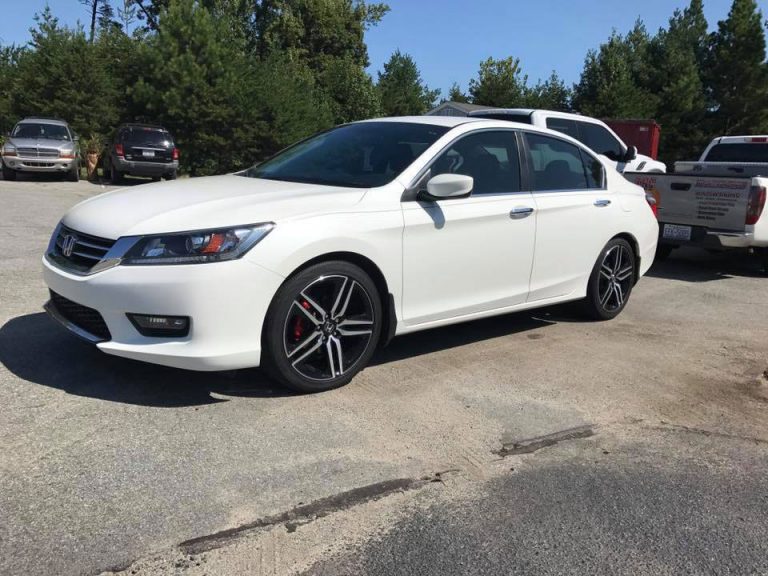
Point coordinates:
pixel 738 71
pixel 401 88
pixel 350 89
pixel 499 83
pixel 613 81
pixel 455 94
pixel 9 57
pixel 677 55
pixel 62 75
pixel 552 94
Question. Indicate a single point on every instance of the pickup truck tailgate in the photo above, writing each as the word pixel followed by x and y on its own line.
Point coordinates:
pixel 710 202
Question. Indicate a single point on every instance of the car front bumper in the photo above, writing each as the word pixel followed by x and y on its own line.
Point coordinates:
pixel 50 165
pixel 226 303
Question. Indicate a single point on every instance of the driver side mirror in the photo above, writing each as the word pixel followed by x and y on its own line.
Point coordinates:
pixel 631 154
pixel 450 186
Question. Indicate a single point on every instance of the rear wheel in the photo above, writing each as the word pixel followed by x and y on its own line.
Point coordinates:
pixel 171 175
pixel 9 174
pixel 611 281
pixel 322 327
pixel 114 175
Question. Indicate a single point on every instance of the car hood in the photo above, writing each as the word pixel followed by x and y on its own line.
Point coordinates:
pixel 200 203
pixel 41 142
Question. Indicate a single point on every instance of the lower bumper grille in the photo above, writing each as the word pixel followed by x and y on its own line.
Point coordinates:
pixel 83 321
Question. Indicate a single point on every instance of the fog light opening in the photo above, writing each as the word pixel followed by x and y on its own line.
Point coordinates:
pixel 159 326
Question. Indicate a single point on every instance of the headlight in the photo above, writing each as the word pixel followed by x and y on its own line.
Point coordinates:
pixel 196 247
pixel 67 153
pixel 9 150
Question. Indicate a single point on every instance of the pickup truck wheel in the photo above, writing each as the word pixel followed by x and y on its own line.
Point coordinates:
pixel 322 327
pixel 9 174
pixel 611 281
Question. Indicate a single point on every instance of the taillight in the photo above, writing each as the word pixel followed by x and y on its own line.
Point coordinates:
pixel 755 204
pixel 175 153
pixel 119 150
pixel 653 204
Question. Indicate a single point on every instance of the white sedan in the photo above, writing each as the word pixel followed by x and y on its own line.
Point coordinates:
pixel 304 264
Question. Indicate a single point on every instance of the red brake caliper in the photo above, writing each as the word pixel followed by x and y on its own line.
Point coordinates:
pixel 298 324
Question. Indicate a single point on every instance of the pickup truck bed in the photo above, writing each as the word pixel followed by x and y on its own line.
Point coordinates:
pixel 714 212
pixel 724 169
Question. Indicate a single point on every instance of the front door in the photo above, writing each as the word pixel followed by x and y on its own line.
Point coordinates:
pixel 468 255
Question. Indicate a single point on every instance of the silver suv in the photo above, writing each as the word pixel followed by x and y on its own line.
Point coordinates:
pixel 42 145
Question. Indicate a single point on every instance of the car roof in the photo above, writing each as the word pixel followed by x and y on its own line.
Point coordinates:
pixel 751 139
pixel 42 120
pixel 144 126
pixel 447 121
pixel 530 111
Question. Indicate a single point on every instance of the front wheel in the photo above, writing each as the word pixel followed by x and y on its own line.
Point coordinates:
pixel 322 327
pixel 611 281
pixel 9 174
pixel 74 175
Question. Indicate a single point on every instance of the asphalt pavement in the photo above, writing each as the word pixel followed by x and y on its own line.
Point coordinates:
pixel 531 443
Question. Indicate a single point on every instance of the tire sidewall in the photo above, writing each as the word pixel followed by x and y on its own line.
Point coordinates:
pixel 595 309
pixel 274 361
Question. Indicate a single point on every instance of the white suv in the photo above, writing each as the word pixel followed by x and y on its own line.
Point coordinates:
pixel 589 131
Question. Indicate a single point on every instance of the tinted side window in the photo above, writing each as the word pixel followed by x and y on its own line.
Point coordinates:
pixel 594 170
pixel 555 164
pixel 564 125
pixel 491 159
pixel 600 140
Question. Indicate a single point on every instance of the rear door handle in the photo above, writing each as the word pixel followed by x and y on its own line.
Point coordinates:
pixel 520 211
pixel 602 203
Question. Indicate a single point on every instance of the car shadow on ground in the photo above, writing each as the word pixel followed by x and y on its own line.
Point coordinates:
pixel 34 348
pixel 697 265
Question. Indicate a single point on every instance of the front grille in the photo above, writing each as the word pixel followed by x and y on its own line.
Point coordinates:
pixel 38 164
pixel 38 152
pixel 79 251
pixel 81 316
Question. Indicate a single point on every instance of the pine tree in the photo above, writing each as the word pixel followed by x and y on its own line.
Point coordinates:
pixel 738 73
pixel 552 94
pixel 499 83
pixel 455 94
pixel 402 91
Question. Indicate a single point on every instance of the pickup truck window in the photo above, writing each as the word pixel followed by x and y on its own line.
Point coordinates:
pixel 738 153
pixel 555 164
pixel 600 140
pixel 565 126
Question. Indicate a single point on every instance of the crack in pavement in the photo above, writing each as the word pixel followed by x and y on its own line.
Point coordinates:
pixel 307 513
pixel 532 445
pixel 707 433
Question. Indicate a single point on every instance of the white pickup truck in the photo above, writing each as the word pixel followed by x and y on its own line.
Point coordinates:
pixel 717 203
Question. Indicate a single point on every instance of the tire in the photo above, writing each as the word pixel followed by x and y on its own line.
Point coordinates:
pixel 155 178
pixel 114 175
pixel 611 281
pixel 9 174
pixel 74 175
pixel 323 317
pixel 171 175
pixel 763 255
pixel 663 251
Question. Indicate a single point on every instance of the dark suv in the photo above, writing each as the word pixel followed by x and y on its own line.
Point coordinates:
pixel 142 150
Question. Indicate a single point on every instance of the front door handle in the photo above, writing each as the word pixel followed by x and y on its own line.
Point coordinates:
pixel 602 203
pixel 520 211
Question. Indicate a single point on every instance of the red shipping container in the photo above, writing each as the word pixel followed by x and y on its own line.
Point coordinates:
pixel 644 134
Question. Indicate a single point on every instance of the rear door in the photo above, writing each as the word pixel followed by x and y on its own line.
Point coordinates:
pixel 575 213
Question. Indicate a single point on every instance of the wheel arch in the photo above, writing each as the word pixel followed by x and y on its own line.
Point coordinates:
pixel 372 269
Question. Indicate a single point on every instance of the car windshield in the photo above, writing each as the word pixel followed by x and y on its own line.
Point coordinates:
pixel 363 155
pixel 738 153
pixel 48 131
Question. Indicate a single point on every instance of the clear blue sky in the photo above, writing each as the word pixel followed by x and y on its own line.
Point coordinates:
pixel 449 38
